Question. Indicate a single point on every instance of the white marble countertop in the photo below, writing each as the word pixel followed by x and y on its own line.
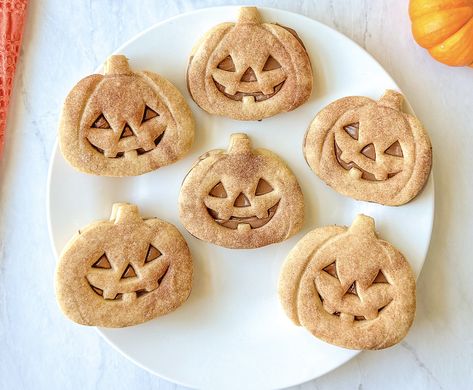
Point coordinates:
pixel 65 40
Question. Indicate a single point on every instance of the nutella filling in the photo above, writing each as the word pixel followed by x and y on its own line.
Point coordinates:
pixel 364 174
pixel 369 151
pixel 331 269
pixel 218 191
pixel 242 201
pixel 127 132
pixel 249 75
pixel 238 96
pixel 139 151
pixel 129 273
pixel 227 64
pixel 102 123
pixel 395 150
pixel 352 130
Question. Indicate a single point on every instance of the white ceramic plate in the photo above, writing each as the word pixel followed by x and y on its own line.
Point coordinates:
pixel 232 332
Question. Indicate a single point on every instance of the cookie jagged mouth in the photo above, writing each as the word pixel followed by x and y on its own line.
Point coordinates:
pixel 352 165
pixel 119 296
pixel 258 96
pixel 139 151
pixel 254 222
pixel 137 293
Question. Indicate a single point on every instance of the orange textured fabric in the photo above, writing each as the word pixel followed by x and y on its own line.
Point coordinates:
pixel 12 19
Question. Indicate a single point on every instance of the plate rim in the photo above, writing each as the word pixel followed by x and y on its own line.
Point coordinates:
pixel 55 151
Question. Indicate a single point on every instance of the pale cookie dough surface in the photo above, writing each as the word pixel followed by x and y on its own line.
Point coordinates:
pixel 124 123
pixel 348 287
pixel 249 70
pixel 241 197
pixel 124 271
pixel 370 150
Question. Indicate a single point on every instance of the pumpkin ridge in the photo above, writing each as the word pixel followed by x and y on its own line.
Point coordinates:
pixel 456 44
pixel 274 31
pixel 417 9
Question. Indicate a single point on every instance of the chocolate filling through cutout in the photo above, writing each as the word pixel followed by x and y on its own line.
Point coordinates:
pixel 331 269
pixel 259 96
pixel 241 201
pixel 102 123
pixel 227 64
pixel 218 191
pixel 249 75
pixel 253 221
pixel 368 151
pixel 352 289
pixel 103 263
pixel 262 188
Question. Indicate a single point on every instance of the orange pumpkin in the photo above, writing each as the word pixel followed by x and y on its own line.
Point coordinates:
pixel 445 28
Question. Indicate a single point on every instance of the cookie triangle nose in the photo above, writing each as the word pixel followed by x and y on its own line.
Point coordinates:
pixel 241 201
pixel 249 75
pixel 127 132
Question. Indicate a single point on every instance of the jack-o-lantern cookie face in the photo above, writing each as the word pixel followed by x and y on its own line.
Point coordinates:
pixel 124 123
pixel 348 287
pixel 124 271
pixel 249 70
pixel 370 150
pixel 241 198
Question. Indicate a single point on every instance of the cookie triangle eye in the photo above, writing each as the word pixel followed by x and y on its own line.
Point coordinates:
pixel 101 123
pixel 271 64
pixel 218 191
pixel 227 64
pixel 241 201
pixel 263 187
pixel 160 280
pixel 331 269
pixel 102 263
pixel 352 289
pixel 149 114
pixel 395 150
pixel 127 132
pixel 352 130
pixel 129 272
pixel 369 151
pixel 380 278
pixel 152 254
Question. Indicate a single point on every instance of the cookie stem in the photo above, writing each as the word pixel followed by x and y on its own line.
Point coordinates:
pixel 363 225
pixel 117 64
pixel 249 15
pixel 239 143
pixel 391 99
pixel 125 212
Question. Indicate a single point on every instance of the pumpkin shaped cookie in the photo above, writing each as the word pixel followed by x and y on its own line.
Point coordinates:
pixel 241 198
pixel 124 123
pixel 124 271
pixel 249 70
pixel 348 287
pixel 370 150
